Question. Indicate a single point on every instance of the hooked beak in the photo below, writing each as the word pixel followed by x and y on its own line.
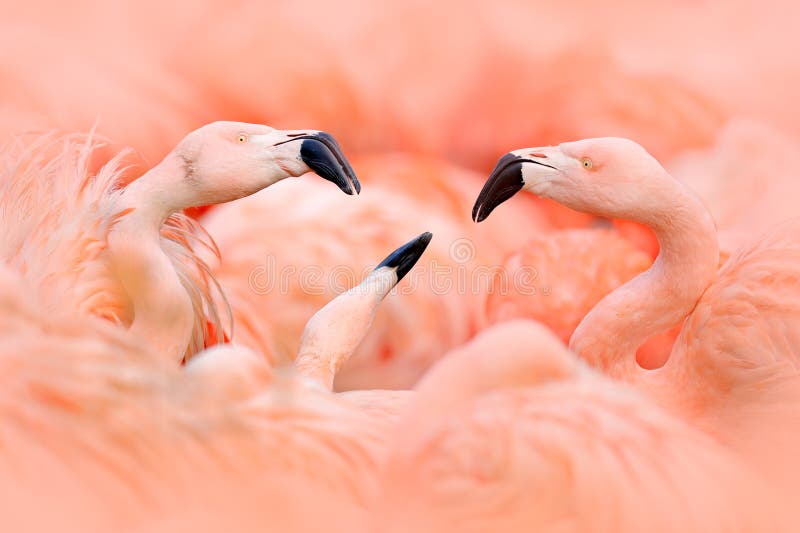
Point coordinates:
pixel 321 153
pixel 504 182
pixel 404 258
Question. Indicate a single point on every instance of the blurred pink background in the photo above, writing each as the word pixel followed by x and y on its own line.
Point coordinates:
pixel 464 81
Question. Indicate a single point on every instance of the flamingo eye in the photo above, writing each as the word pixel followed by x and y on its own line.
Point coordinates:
pixel 587 163
pixel 242 138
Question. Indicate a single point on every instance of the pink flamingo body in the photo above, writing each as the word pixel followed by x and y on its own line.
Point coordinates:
pixel 737 351
pixel 512 433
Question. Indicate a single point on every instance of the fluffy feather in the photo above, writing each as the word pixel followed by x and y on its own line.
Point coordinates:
pixel 57 195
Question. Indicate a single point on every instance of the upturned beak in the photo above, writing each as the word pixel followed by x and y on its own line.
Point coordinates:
pixel 320 152
pixel 404 258
pixel 504 182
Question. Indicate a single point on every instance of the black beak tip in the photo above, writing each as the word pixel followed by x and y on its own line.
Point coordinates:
pixel 334 147
pixel 322 154
pixel 479 215
pixel 404 258
pixel 503 183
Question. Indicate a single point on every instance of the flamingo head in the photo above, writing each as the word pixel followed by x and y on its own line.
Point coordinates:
pixel 224 161
pixel 608 177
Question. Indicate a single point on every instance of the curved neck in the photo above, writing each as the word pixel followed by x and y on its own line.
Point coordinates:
pixel 162 310
pixel 158 193
pixel 660 297
pixel 335 331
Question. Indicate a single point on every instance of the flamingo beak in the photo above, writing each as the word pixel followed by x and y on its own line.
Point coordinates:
pixel 504 182
pixel 404 258
pixel 322 155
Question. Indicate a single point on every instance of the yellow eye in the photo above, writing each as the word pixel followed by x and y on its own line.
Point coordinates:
pixel 242 138
pixel 587 163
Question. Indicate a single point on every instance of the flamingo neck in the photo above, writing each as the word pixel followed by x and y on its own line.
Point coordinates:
pixel 163 315
pixel 160 192
pixel 660 297
pixel 335 331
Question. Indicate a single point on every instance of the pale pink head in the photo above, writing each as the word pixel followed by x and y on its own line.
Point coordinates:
pixel 223 161
pixel 610 177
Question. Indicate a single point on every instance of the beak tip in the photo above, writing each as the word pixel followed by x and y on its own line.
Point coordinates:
pixel 322 155
pixel 424 239
pixel 405 257
pixel 476 213
pixel 503 183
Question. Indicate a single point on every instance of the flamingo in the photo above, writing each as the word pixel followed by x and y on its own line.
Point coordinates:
pixel 513 433
pixel 131 439
pixel 733 368
pixel 124 253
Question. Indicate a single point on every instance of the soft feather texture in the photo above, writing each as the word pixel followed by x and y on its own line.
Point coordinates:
pixel 57 194
pixel 114 437
pixel 491 444
pixel 558 277
pixel 733 371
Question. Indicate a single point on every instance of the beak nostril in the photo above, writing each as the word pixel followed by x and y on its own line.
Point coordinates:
pixel 296 134
pixel 539 154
